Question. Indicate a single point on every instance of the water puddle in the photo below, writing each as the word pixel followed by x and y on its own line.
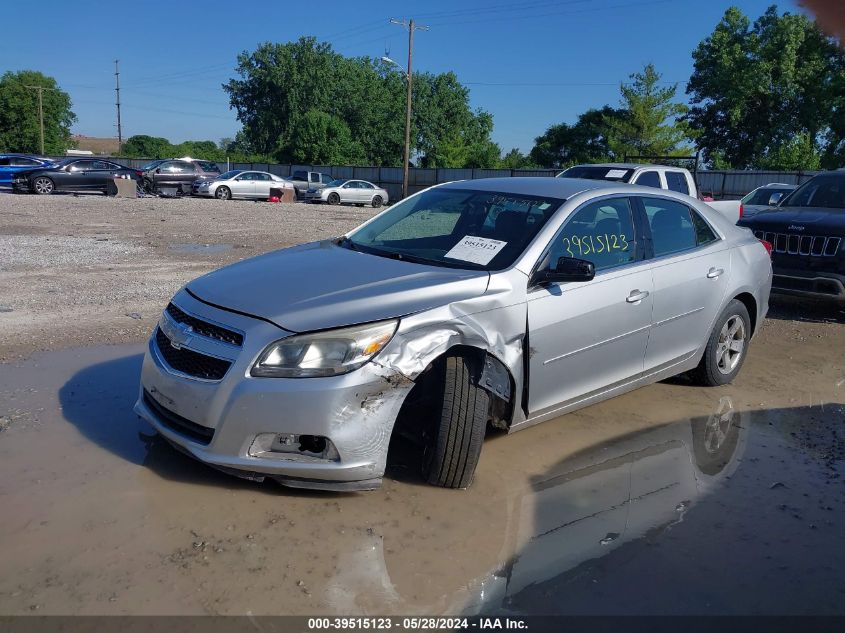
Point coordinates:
pixel 630 506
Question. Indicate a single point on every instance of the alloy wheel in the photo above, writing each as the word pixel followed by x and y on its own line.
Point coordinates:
pixel 731 344
pixel 43 185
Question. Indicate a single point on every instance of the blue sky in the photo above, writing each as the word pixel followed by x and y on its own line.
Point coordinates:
pixel 531 63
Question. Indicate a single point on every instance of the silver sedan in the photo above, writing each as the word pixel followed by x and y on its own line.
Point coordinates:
pixel 239 183
pixel 502 302
pixel 342 191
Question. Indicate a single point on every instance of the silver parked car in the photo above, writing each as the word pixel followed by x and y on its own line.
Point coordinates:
pixel 502 302
pixel 343 191
pixel 239 183
pixel 765 198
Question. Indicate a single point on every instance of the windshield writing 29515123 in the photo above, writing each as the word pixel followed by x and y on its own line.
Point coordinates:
pixel 579 246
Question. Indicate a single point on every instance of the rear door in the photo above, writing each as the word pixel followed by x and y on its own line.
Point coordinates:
pixel 587 337
pixel 691 265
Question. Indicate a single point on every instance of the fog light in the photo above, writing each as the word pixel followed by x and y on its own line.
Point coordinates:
pixel 291 446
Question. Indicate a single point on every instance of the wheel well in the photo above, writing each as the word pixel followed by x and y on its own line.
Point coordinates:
pixel 751 305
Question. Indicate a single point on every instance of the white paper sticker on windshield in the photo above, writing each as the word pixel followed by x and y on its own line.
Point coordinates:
pixel 478 250
pixel 615 173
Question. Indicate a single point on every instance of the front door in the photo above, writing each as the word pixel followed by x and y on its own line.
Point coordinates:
pixel 691 267
pixel 587 337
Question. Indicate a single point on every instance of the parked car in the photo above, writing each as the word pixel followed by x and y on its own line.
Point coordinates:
pixel 72 174
pixel 507 300
pixel 239 183
pixel 764 198
pixel 807 231
pixel 178 174
pixel 657 176
pixel 11 164
pixel 304 180
pixel 343 191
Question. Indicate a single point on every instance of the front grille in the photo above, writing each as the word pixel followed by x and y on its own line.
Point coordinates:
pixel 189 362
pixel 796 244
pixel 176 423
pixel 204 328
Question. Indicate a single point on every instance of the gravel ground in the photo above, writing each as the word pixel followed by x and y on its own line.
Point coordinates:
pixel 82 270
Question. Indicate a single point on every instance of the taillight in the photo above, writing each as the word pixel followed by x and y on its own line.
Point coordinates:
pixel 767 246
pixel 741 211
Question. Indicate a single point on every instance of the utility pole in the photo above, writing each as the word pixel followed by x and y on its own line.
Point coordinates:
pixel 41 90
pixel 411 26
pixel 117 103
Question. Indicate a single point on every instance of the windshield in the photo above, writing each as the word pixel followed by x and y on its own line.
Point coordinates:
pixel 826 190
pixel 336 183
pixel 596 172
pixel 762 195
pixel 229 174
pixel 459 228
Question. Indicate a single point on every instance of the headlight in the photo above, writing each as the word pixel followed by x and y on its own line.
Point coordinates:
pixel 328 353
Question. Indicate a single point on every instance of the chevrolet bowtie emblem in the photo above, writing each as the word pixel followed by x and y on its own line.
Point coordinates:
pixel 178 334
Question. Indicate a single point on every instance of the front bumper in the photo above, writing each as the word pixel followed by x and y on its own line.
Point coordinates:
pixel 355 411
pixel 809 283
pixel 20 185
pixel 312 197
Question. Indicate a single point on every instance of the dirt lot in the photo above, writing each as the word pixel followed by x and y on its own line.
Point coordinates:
pixel 77 270
pixel 671 499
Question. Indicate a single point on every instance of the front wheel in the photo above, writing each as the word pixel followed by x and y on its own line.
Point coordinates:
pixel 377 202
pixel 454 445
pixel 726 348
pixel 223 193
pixel 333 198
pixel 43 186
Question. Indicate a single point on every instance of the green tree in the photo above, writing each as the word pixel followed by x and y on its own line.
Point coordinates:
pixel 19 120
pixel 767 93
pixel 324 139
pixel 279 83
pixel 585 141
pixel 143 146
pixel 650 125
pixel 515 159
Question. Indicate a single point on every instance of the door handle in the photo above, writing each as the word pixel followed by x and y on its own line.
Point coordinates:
pixel 636 296
pixel 713 273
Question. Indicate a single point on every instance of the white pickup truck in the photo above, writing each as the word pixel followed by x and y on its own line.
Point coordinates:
pixel 658 176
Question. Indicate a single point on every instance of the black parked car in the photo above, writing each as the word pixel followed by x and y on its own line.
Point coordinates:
pixel 178 174
pixel 807 233
pixel 72 174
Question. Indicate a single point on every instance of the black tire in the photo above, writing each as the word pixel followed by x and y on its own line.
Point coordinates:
pixel 377 202
pixel 43 186
pixel 453 449
pixel 147 185
pixel 715 367
pixel 223 193
pixel 334 198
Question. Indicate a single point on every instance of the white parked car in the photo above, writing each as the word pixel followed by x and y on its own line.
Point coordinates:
pixel 765 198
pixel 239 183
pixel 342 191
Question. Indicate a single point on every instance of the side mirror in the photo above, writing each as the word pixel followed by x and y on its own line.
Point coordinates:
pixel 567 269
pixel 774 199
pixel 158 171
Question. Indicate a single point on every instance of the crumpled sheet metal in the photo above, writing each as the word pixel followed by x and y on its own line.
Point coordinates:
pixel 493 322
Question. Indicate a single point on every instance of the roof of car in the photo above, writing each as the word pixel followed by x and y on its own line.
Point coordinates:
pixel 535 186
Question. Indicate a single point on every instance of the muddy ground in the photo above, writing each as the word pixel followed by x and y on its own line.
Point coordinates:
pixel 672 499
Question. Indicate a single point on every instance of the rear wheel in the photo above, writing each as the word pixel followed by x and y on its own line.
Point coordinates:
pixel 43 186
pixel 334 198
pixel 223 193
pixel 454 444
pixel 726 348
pixel 377 202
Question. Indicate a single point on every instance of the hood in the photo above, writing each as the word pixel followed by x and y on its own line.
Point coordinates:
pixel 813 219
pixel 322 285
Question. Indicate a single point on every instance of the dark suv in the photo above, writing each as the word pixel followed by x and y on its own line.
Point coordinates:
pixel 807 233
pixel 178 174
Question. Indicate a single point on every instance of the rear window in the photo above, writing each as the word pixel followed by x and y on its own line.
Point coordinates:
pixel 677 181
pixel 594 172
pixel 208 166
